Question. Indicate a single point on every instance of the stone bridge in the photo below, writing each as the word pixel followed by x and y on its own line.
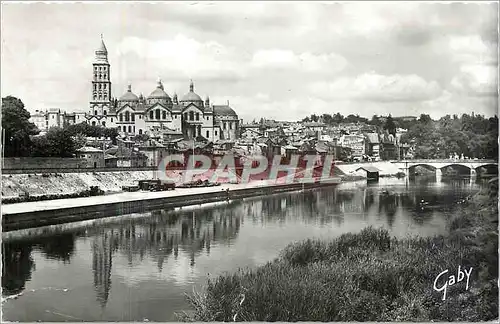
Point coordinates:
pixel 438 165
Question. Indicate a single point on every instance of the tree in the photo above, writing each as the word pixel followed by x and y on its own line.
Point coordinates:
pixel 425 119
pixel 57 142
pixel 390 126
pixel 80 140
pixel 17 127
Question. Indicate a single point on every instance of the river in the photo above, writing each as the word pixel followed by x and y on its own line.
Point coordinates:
pixel 140 267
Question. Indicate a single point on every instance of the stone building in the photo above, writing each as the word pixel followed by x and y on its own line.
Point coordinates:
pixel 134 115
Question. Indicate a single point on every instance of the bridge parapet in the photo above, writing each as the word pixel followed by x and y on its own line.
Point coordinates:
pixel 450 161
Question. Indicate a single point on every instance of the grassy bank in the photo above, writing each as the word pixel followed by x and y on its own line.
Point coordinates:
pixel 368 277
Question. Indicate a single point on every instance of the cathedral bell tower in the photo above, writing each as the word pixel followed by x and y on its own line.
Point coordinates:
pixel 100 97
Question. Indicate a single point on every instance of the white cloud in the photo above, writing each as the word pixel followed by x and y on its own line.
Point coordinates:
pixel 476 80
pixel 375 87
pixel 234 52
pixel 452 103
pixel 472 49
pixel 184 56
pixel 306 62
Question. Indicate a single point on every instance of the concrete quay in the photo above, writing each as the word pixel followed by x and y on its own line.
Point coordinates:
pixel 52 212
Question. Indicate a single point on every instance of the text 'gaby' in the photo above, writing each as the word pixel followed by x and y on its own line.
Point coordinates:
pixel 450 280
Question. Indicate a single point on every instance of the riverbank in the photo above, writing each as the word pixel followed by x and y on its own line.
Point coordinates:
pixel 44 213
pixel 369 276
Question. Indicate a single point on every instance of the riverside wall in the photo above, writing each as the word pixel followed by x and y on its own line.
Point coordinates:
pixel 109 208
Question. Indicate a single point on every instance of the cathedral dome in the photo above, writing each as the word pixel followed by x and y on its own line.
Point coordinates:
pixel 159 93
pixel 129 96
pixel 191 96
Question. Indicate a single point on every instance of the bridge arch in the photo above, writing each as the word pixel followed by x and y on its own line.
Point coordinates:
pixel 411 169
pixel 456 168
pixel 487 168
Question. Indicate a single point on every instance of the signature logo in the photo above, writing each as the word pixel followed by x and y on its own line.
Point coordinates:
pixel 450 280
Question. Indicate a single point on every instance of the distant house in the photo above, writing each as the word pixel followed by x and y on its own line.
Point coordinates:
pixel 355 142
pixel 126 157
pixel 388 147
pixel 170 135
pixel 251 133
pixel 372 145
pixel 154 152
pixel 93 156
pixel 314 126
pixel 369 171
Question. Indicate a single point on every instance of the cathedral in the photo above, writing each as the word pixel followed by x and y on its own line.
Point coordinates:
pixel 157 113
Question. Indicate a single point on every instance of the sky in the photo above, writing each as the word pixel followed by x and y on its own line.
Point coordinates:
pixel 281 60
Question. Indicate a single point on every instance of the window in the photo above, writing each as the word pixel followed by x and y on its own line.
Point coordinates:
pixel 93 123
pixel 95 112
pixel 191 115
pixel 224 126
pixel 151 115
pixel 111 119
pixel 133 117
pixel 127 116
pixel 164 115
pixel 121 117
pixel 105 113
pixel 157 114
pixel 95 87
pixel 134 129
pixel 100 86
pixel 175 117
pixel 140 116
pixel 208 134
pixel 208 118
pixel 230 125
pixel 53 116
pixel 104 86
pixel 130 129
pixel 197 116
pixel 215 133
pixel 140 131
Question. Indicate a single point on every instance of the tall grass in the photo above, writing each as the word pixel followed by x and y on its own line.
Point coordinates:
pixel 367 276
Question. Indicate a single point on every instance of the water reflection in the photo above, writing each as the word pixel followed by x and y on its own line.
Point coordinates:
pixel 162 236
pixel 17 264
pixel 102 255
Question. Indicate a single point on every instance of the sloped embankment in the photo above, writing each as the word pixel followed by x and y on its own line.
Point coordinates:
pixel 65 183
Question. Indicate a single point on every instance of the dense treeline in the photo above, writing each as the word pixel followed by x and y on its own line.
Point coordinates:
pixel 474 136
pixel 20 139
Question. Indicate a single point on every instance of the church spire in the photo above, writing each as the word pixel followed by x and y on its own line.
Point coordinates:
pixel 191 86
pixel 101 54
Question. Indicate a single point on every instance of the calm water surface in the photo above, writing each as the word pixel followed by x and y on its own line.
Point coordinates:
pixel 141 266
